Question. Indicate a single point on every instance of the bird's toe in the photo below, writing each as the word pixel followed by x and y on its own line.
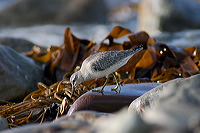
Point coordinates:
pixel 98 90
pixel 116 89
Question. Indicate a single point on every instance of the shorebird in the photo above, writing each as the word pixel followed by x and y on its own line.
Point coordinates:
pixel 101 65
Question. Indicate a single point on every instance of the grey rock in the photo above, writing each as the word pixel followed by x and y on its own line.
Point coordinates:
pixel 71 126
pixel 150 98
pixel 172 107
pixel 185 85
pixel 177 89
pixel 122 122
pixel 178 105
pixel 168 15
pixel 79 122
pixel 29 12
pixel 19 74
pixel 85 116
pixel 175 118
pixel 3 123
pixel 186 91
pixel 19 45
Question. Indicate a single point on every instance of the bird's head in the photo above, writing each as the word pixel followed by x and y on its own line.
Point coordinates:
pixel 75 80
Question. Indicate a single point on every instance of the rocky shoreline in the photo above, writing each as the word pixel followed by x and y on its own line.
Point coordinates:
pixel 161 88
pixel 156 107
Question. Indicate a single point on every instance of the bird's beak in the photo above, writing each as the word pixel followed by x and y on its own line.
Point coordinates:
pixel 73 89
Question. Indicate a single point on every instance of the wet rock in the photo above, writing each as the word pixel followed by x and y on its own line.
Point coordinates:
pixel 3 123
pixel 177 89
pixel 19 45
pixel 29 12
pixel 168 15
pixel 19 74
pixel 104 102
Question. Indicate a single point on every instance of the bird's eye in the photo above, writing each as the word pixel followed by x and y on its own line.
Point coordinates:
pixel 74 81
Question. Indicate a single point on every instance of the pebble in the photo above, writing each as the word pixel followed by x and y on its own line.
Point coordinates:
pixel 168 15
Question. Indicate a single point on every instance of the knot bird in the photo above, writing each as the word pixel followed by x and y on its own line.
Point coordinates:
pixel 102 64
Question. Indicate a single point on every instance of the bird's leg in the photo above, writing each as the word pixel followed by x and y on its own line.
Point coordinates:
pixel 118 84
pixel 101 90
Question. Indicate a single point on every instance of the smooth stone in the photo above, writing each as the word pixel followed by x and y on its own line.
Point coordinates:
pixel 19 45
pixel 168 15
pixel 122 122
pixel 175 118
pixel 178 105
pixel 19 75
pixel 177 90
pixel 186 91
pixel 3 123
pixel 148 99
pixel 109 101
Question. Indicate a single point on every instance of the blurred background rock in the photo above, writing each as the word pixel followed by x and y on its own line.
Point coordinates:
pixel 43 22
pixel 168 15
pixel 31 12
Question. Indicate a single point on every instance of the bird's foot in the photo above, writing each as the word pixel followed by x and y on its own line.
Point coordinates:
pixel 98 90
pixel 117 89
